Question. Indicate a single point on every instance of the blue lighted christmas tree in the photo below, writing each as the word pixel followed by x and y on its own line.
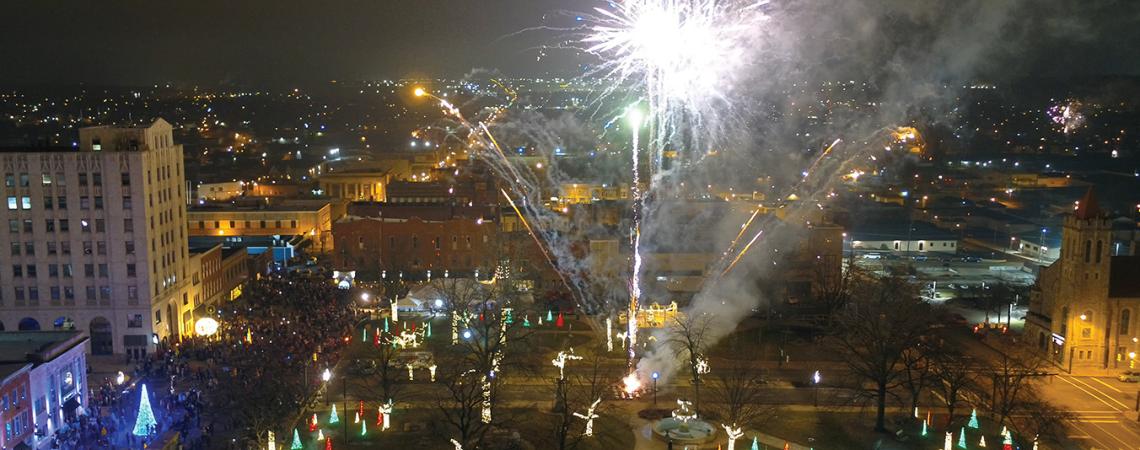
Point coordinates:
pixel 973 419
pixel 962 438
pixel 755 443
pixel 145 420
pixel 333 418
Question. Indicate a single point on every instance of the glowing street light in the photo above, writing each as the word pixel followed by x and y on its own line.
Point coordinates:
pixel 655 377
pixel 419 92
pixel 326 375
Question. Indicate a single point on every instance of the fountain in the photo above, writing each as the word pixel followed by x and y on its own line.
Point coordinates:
pixel 684 427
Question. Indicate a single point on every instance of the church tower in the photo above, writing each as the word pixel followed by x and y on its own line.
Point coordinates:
pixel 1081 316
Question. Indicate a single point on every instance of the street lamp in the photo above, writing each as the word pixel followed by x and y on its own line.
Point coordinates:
pixel 326 376
pixel 655 376
pixel 815 379
pixel 364 297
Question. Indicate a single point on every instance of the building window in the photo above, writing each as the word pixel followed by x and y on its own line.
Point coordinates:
pixel 98 202
pixel 131 270
pixel 51 247
pixel 130 247
pixel 15 249
pixel 27 225
pixel 1099 249
pixel 84 225
pixel 158 317
pixel 64 225
pixel 128 225
pixel 49 225
pixel 17 271
pixel 97 179
pixel 13 204
pixel 126 202
pixel 30 248
pixel 61 202
pixel 96 144
pixel 89 270
pixel 65 247
pixel 100 225
pixel 135 321
pixel 83 179
pixel 47 202
pixel 125 179
pixel 9 180
pixel 84 202
pixel 1125 321
pixel 24 180
pixel 1088 250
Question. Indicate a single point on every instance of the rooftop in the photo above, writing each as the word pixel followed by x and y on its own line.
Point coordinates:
pixel 36 346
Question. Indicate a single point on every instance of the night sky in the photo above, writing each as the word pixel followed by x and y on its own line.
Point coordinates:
pixel 287 41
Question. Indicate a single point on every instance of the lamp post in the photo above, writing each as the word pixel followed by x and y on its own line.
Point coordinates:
pixel 815 379
pixel 655 376
pixel 326 376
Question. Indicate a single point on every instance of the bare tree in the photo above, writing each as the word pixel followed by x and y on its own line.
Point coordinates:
pixel 576 394
pixel 688 338
pixel 1012 380
pixel 918 371
pixel 461 404
pixel 834 294
pixel 738 401
pixel 954 378
pixel 883 320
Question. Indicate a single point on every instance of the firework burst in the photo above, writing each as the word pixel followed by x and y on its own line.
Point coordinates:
pixel 679 56
pixel 1066 117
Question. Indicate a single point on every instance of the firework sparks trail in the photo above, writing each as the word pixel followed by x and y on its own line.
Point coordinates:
pixel 537 241
pixel 741 254
pixel 635 276
pixel 488 149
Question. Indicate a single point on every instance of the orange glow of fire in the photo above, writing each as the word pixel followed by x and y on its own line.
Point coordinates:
pixel 631 383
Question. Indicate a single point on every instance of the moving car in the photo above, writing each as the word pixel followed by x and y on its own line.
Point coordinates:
pixel 1129 377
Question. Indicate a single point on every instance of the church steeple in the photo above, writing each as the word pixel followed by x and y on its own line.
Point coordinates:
pixel 1088 208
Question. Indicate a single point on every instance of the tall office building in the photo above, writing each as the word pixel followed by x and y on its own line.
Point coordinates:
pixel 94 238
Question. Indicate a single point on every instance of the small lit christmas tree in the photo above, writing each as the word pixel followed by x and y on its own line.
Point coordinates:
pixel 755 443
pixel 924 431
pixel 363 427
pixel 333 418
pixel 328 444
pixel 296 441
pixel 428 329
pixel 962 438
pixel 526 321
pixel 144 422
pixel 313 423
pixel 549 315
pixel 982 442
pixel 385 324
pixel 1006 442
pixel 973 419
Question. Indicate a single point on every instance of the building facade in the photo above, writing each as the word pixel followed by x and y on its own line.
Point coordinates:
pixel 57 376
pixel 1082 310
pixel 413 239
pixel 16 414
pixel 96 236
pixel 309 218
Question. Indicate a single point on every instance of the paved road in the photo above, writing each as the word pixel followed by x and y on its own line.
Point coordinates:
pixel 1106 418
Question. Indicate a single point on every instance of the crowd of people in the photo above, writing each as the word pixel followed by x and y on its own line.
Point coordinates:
pixel 214 390
pixel 261 364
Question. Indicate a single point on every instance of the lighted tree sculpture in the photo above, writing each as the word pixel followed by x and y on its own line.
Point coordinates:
pixel 144 422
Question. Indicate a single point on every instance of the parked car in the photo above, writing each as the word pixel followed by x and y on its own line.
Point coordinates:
pixel 1129 377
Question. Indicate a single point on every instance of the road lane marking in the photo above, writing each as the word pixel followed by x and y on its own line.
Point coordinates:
pixel 1102 393
pixel 1094 438
pixel 1108 385
pixel 1062 378
pixel 1113 436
